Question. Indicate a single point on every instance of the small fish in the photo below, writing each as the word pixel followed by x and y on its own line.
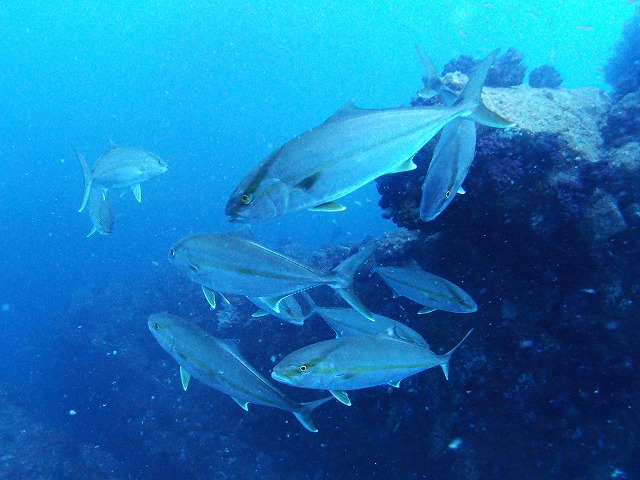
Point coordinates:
pixel 350 149
pixel 120 167
pixel 346 322
pixel 231 263
pixel 449 166
pixel 101 213
pixel 427 289
pixel 219 364
pixel 351 363
pixel 290 310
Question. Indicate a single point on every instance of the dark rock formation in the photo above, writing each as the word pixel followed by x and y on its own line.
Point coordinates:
pixel 508 70
pixel 622 71
pixel 545 76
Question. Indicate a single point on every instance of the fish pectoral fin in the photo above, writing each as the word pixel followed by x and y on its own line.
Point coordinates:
pixel 93 230
pixel 273 302
pixel 461 191
pixel 405 166
pixel 308 182
pixel 259 313
pixel 394 383
pixel 328 207
pixel 184 378
pixel 224 299
pixel 341 396
pixel 210 295
pixel 112 144
pixel 244 405
pixel 396 294
pixel 104 193
pixel 137 192
pixel 424 310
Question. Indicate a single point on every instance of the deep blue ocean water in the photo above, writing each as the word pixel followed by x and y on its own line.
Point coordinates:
pixel 211 87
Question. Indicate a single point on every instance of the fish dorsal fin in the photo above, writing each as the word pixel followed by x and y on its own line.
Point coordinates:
pixel 210 295
pixel 461 191
pixel 137 192
pixel 347 110
pixel 244 233
pixel 184 377
pixel 259 313
pixel 232 345
pixel 341 396
pixel 112 144
pixel 328 207
pixel 244 405
pixel 395 383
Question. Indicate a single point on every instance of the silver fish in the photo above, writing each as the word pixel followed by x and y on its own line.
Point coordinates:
pixel 230 263
pixel 352 363
pixel 101 213
pixel 290 310
pixel 449 166
pixel 427 289
pixel 218 364
pixel 346 322
pixel 350 149
pixel 120 167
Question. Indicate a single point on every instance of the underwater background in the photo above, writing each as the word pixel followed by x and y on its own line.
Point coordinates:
pixel 545 239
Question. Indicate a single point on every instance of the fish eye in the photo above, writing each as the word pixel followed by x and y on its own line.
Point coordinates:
pixel 246 199
pixel 156 325
pixel 302 368
pixel 172 252
pixel 447 194
pixel 288 310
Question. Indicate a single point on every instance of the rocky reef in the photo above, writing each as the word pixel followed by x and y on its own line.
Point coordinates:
pixel 622 71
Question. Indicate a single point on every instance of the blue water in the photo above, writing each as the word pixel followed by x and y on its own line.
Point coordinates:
pixel 211 87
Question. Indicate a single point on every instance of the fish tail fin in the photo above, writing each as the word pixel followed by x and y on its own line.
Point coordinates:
pixel 346 272
pixel 471 95
pixel 447 356
pixel 306 409
pixel 86 172
pixel 433 83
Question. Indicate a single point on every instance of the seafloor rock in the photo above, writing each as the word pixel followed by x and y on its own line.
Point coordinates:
pixel 545 76
pixel 507 71
pixel 548 201
pixel 623 122
pixel 601 219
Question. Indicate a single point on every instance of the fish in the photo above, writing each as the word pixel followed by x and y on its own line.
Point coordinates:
pixel 346 322
pixel 218 364
pixel 427 289
pixel 101 213
pixel 231 263
pixel 433 84
pixel 350 149
pixel 453 154
pixel 352 363
pixel 290 310
pixel 120 167
pixel 449 166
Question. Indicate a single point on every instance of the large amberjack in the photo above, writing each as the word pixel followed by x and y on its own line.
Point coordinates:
pixel 231 263
pixel 218 364
pixel 351 363
pixel 120 167
pixel 350 149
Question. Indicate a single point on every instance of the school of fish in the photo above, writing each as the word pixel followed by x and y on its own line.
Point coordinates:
pixel 313 171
